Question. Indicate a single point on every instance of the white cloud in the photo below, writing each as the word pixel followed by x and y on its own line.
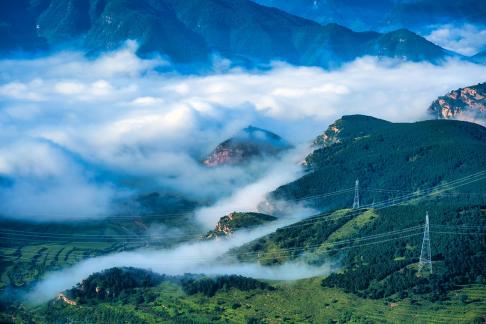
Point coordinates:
pixel 248 197
pixel 193 257
pixel 48 185
pixel 116 113
pixel 466 39
pixel 69 87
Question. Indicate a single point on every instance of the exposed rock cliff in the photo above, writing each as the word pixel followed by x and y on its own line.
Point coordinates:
pixel 235 221
pixel 467 104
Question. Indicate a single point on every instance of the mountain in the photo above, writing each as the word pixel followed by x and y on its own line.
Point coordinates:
pixel 480 57
pixel 18 26
pixel 401 157
pixel 405 170
pixel 249 143
pixel 236 221
pixel 385 15
pixel 190 32
pixel 468 103
pixel 406 45
pixel 369 255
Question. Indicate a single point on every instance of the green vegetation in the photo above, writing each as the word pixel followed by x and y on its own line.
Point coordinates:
pixel 399 158
pixel 121 284
pixel 459 255
pixel 237 220
pixel 27 250
pixel 384 262
pixel 302 301
pixel 209 286
pixel 373 252
pixel 289 242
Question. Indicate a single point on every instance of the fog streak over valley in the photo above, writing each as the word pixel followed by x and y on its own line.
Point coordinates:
pixel 193 257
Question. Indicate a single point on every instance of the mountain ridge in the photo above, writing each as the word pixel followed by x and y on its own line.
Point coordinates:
pixel 385 155
pixel 385 15
pixel 190 32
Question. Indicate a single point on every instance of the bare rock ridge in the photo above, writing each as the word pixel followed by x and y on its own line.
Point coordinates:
pixel 235 221
pixel 468 103
pixel 251 142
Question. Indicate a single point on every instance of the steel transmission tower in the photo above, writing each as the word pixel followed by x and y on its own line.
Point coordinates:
pixel 425 263
pixel 356 195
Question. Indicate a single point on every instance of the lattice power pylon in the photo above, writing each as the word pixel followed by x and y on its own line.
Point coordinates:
pixel 356 195
pixel 425 263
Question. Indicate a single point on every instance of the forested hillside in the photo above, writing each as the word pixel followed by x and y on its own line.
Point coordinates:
pixel 389 159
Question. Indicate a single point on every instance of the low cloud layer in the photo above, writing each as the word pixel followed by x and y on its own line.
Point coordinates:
pixel 195 257
pixel 465 39
pixel 77 134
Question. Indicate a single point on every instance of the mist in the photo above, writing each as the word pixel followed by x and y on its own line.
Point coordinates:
pixel 201 257
pixel 78 134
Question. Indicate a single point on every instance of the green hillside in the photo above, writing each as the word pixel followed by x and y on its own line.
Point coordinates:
pixel 302 301
pixel 389 159
pixel 377 250
pixel 370 254
pixel 236 221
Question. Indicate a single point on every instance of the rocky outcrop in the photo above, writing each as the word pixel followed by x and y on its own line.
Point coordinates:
pixel 329 137
pixel 249 143
pixel 467 104
pixel 348 127
pixel 66 300
pixel 228 224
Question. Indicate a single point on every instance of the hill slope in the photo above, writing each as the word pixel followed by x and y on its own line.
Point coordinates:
pixel 395 157
pixel 236 221
pixel 190 31
pixel 385 15
pixel 302 301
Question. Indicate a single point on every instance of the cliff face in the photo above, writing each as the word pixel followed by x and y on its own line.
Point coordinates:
pixel 235 221
pixel 467 103
pixel 249 143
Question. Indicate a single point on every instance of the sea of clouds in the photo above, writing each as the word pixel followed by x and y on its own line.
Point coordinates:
pixel 77 134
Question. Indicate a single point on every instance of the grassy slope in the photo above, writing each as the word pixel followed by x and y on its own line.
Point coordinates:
pixel 302 301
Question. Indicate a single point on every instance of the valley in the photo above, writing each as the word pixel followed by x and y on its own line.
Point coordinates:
pixel 370 253
pixel 242 161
